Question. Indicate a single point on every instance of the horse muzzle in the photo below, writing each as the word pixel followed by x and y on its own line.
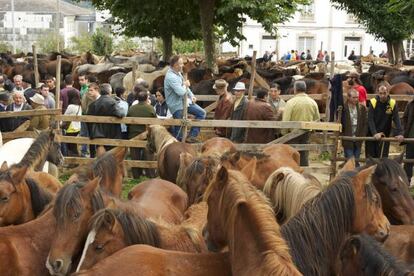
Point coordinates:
pixel 58 267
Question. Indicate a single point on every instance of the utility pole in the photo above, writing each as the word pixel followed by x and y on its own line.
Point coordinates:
pixel 57 25
pixel 13 30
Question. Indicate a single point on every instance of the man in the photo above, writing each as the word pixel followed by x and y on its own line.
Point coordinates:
pixel 49 100
pixel 224 103
pixel 142 109
pixel 308 55
pixel 277 103
pixel 19 104
pixel 408 123
pixel 104 105
pixel 50 82
pixel 42 121
pixel 4 101
pixel 354 123
pixel 238 112
pixel 175 90
pixel 64 92
pixel 83 82
pixel 352 56
pixel 301 108
pixel 259 110
pixel 355 83
pixel 327 57
pixel 18 83
pixel 382 112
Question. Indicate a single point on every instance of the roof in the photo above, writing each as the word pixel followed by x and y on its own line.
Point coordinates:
pixel 44 6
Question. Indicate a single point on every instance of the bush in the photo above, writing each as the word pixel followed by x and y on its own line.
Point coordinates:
pixel 5 47
pixel 183 46
pixel 102 43
pixel 81 44
pixel 48 43
pixel 126 44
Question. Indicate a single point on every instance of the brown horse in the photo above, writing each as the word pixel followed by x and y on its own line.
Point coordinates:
pixel 361 255
pixel 289 190
pixel 350 204
pixel 109 166
pixel 111 230
pixel 217 146
pixel 21 198
pixel 240 216
pixel 75 204
pixel 400 243
pixel 168 150
pixel 151 261
pixel 284 152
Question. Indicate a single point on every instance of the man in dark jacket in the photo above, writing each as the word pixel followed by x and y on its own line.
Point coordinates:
pixel 382 112
pixel 260 110
pixel 238 111
pixel 4 101
pixel 224 105
pixel 17 105
pixel 104 105
pixel 408 123
pixel 142 109
pixel 354 123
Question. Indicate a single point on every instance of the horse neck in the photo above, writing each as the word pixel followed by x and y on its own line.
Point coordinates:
pixel 26 204
pixel 35 161
pixel 162 141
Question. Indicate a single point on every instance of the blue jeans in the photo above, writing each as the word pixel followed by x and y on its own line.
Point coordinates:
pixel 195 110
pixel 354 151
pixel 84 133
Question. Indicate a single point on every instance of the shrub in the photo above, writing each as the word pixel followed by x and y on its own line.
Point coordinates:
pixel 183 46
pixel 5 47
pixel 102 43
pixel 81 44
pixel 126 44
pixel 48 43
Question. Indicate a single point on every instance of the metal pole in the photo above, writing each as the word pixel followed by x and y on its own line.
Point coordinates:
pixel 13 31
pixel 57 25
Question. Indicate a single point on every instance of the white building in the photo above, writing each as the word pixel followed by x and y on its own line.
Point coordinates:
pixel 318 26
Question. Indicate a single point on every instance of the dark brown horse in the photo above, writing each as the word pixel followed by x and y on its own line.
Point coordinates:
pixel 350 204
pixel 361 255
pixel 111 230
pixel 400 243
pixel 75 204
pixel 240 216
pixel 168 151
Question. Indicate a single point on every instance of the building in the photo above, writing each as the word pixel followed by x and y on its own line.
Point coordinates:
pixel 37 18
pixel 318 26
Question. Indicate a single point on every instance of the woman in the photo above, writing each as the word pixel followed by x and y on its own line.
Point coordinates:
pixel 72 128
pixel 161 107
pixel 123 105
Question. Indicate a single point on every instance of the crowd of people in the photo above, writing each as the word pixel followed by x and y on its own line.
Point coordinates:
pixel 294 55
pixel 377 117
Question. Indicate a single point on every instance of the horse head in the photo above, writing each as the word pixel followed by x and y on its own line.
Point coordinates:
pixel 55 155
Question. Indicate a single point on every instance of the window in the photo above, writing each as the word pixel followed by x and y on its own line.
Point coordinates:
pixel 308 12
pixel 409 47
pixel 306 43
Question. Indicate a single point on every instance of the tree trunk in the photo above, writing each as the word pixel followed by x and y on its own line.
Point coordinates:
pixel 206 20
pixel 395 51
pixel 166 46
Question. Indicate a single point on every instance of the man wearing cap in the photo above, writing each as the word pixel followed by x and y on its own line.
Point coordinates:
pixel 224 103
pixel 42 121
pixel 238 112
pixel 175 88
pixel 19 104
pixel 4 101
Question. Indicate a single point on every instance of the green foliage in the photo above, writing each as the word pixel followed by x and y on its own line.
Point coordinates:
pixel 325 156
pixel 403 7
pixel 183 46
pixel 81 43
pixel 5 47
pixel 379 21
pixel 102 43
pixel 126 44
pixel 48 43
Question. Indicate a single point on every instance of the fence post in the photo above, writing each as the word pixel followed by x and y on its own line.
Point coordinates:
pixel 134 73
pixel 35 65
pixel 252 75
pixel 335 147
pixel 57 95
pixel 332 68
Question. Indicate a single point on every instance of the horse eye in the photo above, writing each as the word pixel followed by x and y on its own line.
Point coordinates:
pixel 394 189
pixel 99 247
pixel 5 199
pixel 76 216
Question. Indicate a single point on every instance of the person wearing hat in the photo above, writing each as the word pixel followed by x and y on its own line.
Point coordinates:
pixel 4 101
pixel 224 104
pixel 355 83
pixel 237 112
pixel 39 122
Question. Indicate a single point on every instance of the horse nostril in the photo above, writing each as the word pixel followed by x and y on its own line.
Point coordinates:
pixel 57 265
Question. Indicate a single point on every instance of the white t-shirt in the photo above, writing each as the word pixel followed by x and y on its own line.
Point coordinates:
pixel 74 110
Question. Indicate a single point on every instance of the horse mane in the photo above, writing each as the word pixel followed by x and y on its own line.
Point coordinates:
pixel 239 193
pixel 199 165
pixel 391 168
pixel 321 225
pixel 137 230
pixel 38 151
pixel 161 137
pixel 40 197
pixel 69 198
pixel 290 193
pixel 375 259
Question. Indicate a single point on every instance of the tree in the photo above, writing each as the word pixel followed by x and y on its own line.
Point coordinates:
pixel 156 18
pixel 102 43
pixel 403 7
pixel 390 27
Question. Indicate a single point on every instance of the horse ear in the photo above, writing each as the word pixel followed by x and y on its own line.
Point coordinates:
pixel 100 151
pixel 235 156
pixel 119 152
pixel 91 186
pixel 364 177
pixel 222 175
pixel 349 165
pixel 249 169
pixel 4 167
pixel 352 247
pixel 110 220
pixel 400 158
pixel 18 173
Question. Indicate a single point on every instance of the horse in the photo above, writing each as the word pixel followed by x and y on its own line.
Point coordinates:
pixel 240 216
pixel 217 146
pixel 151 261
pixel 22 198
pixel 195 174
pixel 362 255
pixel 75 204
pixel 350 204
pixel 289 190
pixel 400 243
pixel 284 152
pixel 392 184
pixel 168 150
pixel 109 166
pixel 112 229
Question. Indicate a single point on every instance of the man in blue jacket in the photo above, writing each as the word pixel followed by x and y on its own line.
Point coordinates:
pixel 176 88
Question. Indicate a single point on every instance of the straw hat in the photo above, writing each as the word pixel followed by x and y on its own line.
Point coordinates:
pixel 39 85
pixel 220 83
pixel 240 86
pixel 38 99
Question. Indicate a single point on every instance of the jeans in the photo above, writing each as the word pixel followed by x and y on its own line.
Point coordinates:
pixel 84 133
pixel 199 114
pixel 354 151
pixel 409 154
